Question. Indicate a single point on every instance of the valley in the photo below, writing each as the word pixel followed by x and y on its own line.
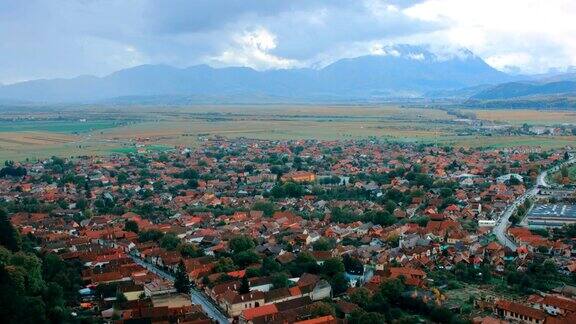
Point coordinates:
pixel 102 130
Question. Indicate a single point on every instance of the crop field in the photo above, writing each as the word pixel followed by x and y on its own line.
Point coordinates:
pixel 528 116
pixel 121 130
pixel 67 127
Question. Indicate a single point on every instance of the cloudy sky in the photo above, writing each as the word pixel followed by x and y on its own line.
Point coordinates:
pixel 66 38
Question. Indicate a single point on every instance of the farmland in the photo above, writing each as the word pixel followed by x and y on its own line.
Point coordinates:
pixel 99 131
pixel 528 116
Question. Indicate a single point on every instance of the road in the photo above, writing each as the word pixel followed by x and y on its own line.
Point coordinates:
pixel 197 296
pixel 502 223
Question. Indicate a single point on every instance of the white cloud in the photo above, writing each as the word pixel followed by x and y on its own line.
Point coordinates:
pixel 64 38
pixel 416 56
pixel 531 35
pixel 252 49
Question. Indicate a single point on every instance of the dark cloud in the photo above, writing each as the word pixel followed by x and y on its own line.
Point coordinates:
pixel 63 38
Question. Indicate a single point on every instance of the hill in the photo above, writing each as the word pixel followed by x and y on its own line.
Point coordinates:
pixel 527 89
pixel 404 72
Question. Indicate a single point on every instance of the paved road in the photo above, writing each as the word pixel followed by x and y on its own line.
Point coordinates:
pixel 502 224
pixel 197 296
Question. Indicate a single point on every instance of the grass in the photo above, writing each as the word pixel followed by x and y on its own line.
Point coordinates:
pixel 66 127
pixel 556 176
pixel 133 149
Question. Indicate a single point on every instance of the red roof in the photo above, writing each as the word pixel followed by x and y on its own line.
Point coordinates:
pixel 251 313
pixel 520 309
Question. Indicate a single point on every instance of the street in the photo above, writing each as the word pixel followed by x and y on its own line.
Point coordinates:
pixel 502 223
pixel 197 296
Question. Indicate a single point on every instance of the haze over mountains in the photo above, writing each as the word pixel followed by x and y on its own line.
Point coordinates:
pixel 402 72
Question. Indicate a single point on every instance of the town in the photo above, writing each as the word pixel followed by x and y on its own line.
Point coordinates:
pixel 296 231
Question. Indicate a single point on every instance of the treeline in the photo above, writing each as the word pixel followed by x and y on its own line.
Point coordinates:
pixel 34 287
pixel 10 170
pixel 394 302
pixel 523 103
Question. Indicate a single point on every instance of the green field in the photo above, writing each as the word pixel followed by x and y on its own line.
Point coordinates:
pixel 68 127
pixel 120 130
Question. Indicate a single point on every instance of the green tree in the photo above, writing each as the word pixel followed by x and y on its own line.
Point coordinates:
pixel 244 287
pixel 332 266
pixel 383 218
pixel 9 237
pixel 323 244
pixel 131 226
pixel 224 265
pixel 190 250
pixel 181 279
pixel 353 265
pixel 150 235
pixel 241 243
pixel 269 265
pixel 280 280
pixel 266 207
pixel 339 283
pixel 169 242
pixel 319 309
pixel 372 318
pixel 360 296
pixel 245 258
pixel 33 267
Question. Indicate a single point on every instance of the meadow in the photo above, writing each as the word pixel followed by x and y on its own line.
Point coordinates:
pixel 120 129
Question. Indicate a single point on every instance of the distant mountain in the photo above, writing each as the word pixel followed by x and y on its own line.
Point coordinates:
pixel 527 89
pixel 403 72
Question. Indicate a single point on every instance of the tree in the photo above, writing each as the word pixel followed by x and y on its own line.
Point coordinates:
pixel 245 258
pixel 269 265
pixel 224 265
pixel 169 242
pixel 190 250
pixel 319 309
pixel 339 283
pixel 192 184
pixel 360 296
pixel 280 280
pixel 244 286
pixel 332 266
pixel 81 203
pixel 9 237
pixel 181 280
pixel 383 218
pixel 392 289
pixel 12 171
pixel 189 174
pixel 353 265
pixel 372 318
pixel 150 235
pixel 131 226
pixel 304 262
pixel 323 244
pixel 266 207
pixel 241 243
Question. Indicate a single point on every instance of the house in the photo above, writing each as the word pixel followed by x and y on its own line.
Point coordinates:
pixel 299 176
pixel 234 303
pixel 266 313
pixel 512 311
pixel 328 319
pixel 556 305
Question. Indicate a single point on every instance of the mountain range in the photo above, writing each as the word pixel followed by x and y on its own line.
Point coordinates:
pixel 403 72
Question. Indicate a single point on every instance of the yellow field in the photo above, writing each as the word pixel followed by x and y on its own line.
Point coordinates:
pixel 521 116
